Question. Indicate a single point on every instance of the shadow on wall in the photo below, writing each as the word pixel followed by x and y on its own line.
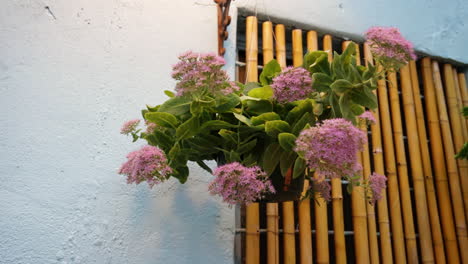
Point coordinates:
pixel 184 226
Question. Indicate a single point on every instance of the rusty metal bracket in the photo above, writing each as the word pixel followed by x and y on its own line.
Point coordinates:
pixel 223 21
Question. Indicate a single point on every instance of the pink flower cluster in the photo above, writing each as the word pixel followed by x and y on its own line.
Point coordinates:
pixel 331 147
pixel 377 184
pixel 292 84
pixel 150 127
pixel 198 73
pixel 368 117
pixel 387 44
pixel 322 187
pixel 239 184
pixel 129 126
pixel 146 164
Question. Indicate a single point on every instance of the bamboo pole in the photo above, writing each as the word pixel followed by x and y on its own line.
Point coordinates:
pixel 320 208
pixel 289 243
pixel 457 129
pixel 438 161
pixel 463 92
pixel 305 233
pixel 402 170
pixel 271 208
pixel 358 201
pixel 452 169
pixel 337 195
pixel 280 46
pixel 252 244
pixel 312 41
pixel 437 240
pixel 392 180
pixel 460 107
pixel 384 223
pixel 422 214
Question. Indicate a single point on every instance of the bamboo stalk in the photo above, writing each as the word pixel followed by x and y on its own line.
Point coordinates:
pixel 457 129
pixel 422 215
pixel 252 244
pixel 312 41
pixel 289 243
pixel 392 180
pixel 337 195
pixel 460 107
pixel 384 223
pixel 280 46
pixel 463 92
pixel 402 170
pixel 271 208
pixel 438 161
pixel 320 208
pixel 452 169
pixel 437 240
pixel 305 235
pixel 358 201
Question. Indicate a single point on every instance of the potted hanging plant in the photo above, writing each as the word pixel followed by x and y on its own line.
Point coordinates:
pixel 266 137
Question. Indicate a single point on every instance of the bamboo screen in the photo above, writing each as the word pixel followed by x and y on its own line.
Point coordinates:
pixel 422 215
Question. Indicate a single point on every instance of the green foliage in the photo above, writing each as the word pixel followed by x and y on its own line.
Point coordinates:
pixel 250 126
pixel 463 154
pixel 270 70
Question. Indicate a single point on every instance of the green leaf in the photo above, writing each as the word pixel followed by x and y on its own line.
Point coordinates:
pixel 203 165
pixel 188 129
pixel 269 71
pixel 181 173
pixel 244 148
pixel 176 106
pixel 163 119
pixel 169 93
pixel 153 109
pixel 228 103
pixel 234 157
pixel 243 119
pixel 261 119
pixel 259 107
pixel 228 135
pixel 216 125
pixel 287 141
pixel 297 112
pixel 273 128
pixel 345 107
pixel 306 119
pixel 196 107
pixel 287 161
pixel 271 157
pixel 163 141
pixel 317 61
pixel 357 109
pixel 336 110
pixel 322 81
pixel 265 92
pixel 365 97
pixel 250 160
pixel 299 167
pixel 176 156
pixel 249 86
pixel 341 86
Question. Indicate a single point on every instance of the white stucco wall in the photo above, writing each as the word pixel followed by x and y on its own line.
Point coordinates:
pixel 69 76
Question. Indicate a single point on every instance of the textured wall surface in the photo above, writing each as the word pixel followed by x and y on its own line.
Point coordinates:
pixel 69 76
pixel 72 71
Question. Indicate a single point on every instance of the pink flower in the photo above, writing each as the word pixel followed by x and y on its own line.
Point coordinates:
pixel 389 46
pixel 198 73
pixel 292 84
pixel 146 164
pixel 129 126
pixel 150 127
pixel 239 184
pixel 368 117
pixel 331 148
pixel 377 184
pixel 322 187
